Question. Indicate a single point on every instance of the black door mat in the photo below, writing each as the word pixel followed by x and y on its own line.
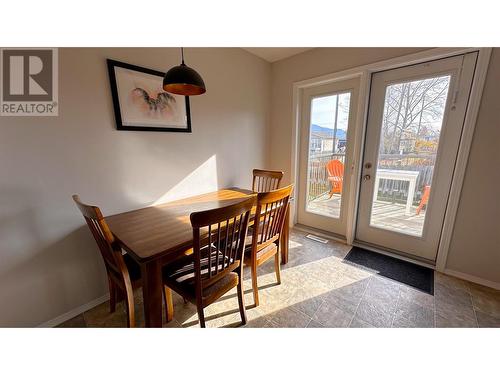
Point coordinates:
pixel 413 275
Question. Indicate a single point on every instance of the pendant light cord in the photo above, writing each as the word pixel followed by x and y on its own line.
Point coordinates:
pixel 182 55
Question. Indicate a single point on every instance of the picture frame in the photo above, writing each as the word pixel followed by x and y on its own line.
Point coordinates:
pixel 141 104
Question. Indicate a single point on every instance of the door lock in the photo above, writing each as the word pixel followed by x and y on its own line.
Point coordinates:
pixel 368 165
pixel 366 177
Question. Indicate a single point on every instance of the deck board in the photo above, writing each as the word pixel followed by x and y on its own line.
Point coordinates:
pixel 386 215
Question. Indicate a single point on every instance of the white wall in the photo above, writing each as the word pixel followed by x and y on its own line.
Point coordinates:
pixel 49 263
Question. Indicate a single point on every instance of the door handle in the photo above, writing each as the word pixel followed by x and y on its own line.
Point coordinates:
pixel 366 177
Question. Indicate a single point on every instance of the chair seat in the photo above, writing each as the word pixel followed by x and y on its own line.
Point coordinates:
pixel 261 253
pixel 180 276
pixel 134 269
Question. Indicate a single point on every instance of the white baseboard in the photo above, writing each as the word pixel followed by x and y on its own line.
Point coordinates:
pixel 75 312
pixel 471 278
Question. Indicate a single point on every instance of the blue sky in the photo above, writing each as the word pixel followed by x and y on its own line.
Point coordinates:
pixel 323 111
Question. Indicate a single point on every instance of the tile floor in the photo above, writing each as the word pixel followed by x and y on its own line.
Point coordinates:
pixel 319 290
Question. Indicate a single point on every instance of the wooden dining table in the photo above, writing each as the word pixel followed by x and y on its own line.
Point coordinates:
pixel 157 235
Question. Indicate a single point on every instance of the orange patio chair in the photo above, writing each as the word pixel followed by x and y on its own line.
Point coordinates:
pixel 425 199
pixel 335 170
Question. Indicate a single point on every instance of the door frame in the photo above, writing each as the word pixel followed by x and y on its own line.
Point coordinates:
pixel 364 73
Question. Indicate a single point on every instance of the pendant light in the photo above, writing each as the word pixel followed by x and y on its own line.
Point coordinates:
pixel 183 80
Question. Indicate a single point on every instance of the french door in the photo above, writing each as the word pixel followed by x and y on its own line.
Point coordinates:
pixel 415 121
pixel 326 155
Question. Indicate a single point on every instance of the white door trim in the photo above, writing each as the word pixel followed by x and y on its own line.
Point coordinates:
pixel 364 72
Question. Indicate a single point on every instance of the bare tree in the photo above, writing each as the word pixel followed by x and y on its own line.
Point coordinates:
pixel 411 109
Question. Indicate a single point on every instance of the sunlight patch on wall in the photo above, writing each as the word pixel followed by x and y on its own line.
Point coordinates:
pixel 202 180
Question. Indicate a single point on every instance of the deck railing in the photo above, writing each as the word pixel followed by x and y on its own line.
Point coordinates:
pixel 397 191
pixel 389 190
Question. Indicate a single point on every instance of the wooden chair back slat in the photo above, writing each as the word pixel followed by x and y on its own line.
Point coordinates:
pixel 209 251
pixel 270 216
pixel 218 247
pixel 265 180
pixel 221 254
pixel 226 244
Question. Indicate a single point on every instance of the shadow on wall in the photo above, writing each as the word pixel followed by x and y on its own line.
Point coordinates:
pixel 50 278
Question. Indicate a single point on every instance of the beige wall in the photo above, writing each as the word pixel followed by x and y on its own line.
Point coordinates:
pixel 48 261
pixel 475 246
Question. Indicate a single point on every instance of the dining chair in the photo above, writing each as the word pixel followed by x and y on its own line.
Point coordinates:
pixel 264 180
pixel 216 264
pixel 269 221
pixel 124 274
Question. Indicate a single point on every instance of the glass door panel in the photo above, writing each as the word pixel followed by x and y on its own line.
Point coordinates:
pixel 327 153
pixel 409 139
pixel 415 121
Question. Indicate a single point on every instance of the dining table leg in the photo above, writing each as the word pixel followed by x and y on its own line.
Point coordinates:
pixel 285 237
pixel 152 293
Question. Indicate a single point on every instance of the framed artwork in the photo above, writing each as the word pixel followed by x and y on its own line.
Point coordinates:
pixel 140 103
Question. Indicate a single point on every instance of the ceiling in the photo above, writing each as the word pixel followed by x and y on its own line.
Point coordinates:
pixel 273 54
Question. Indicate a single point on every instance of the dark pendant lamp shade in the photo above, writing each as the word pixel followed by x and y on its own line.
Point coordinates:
pixel 183 80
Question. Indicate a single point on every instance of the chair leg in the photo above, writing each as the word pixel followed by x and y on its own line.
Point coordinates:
pixel 277 266
pixel 241 301
pixel 331 192
pixel 254 284
pixel 112 295
pixel 169 303
pixel 201 316
pixel 130 309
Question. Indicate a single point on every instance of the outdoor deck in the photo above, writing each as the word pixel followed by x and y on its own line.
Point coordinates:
pixel 390 216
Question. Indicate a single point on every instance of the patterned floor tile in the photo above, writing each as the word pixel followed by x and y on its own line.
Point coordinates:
pixel 411 314
pixel 347 294
pixel 76 322
pixel 319 290
pixel 314 324
pixel 379 313
pixel 487 321
pixel 331 316
pixel 358 323
pixel 289 318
